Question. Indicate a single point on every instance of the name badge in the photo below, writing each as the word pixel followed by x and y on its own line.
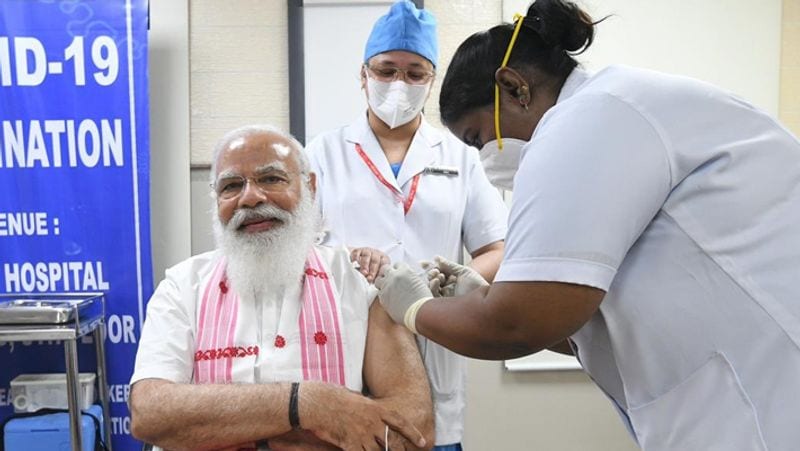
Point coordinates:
pixel 441 170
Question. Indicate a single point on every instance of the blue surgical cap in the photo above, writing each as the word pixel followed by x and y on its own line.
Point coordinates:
pixel 404 28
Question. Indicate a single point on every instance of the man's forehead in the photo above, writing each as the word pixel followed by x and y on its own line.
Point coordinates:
pixel 258 149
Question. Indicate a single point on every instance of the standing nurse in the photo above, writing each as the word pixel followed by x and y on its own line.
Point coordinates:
pixel 393 182
pixel 655 222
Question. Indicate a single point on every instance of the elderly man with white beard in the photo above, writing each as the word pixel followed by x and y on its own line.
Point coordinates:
pixel 269 341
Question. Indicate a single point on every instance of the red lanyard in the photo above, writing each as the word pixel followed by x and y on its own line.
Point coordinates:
pixel 411 194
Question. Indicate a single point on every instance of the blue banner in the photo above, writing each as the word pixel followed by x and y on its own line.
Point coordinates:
pixel 74 167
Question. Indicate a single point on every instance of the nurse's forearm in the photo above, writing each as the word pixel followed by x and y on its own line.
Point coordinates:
pixel 509 319
pixel 486 260
pixel 467 325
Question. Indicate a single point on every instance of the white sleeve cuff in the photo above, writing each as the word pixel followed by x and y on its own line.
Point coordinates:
pixel 160 372
pixel 544 269
pixel 485 237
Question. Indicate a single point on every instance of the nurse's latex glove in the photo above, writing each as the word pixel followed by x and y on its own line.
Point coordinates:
pixel 402 292
pixel 452 278
pixel 369 261
pixel 439 284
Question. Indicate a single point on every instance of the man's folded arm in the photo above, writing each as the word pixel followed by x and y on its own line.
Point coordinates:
pixel 199 417
pixel 219 416
pixel 395 376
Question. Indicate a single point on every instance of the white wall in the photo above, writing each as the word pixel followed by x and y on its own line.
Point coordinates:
pixel 170 225
pixel 790 66
pixel 735 44
pixel 548 411
pixel 239 68
pixel 332 79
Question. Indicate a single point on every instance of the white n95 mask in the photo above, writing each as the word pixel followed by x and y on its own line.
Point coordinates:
pixel 396 102
pixel 501 165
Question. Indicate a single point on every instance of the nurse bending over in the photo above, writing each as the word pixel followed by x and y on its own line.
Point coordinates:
pixel 655 224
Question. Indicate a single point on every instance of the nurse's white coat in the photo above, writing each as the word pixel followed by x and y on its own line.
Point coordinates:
pixel 449 212
pixel 683 202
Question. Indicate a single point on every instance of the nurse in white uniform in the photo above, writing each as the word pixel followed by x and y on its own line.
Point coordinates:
pixel 655 223
pixel 392 182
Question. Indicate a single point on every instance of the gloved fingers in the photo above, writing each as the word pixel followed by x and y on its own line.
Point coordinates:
pixel 399 288
pixel 449 290
pixel 389 268
pixel 384 260
pixel 383 272
pixel 441 261
pixel 436 281
pixel 447 266
pixel 433 274
pixel 451 280
pixel 426 264
pixel 435 286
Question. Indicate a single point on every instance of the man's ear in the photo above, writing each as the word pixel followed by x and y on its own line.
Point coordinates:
pixel 312 183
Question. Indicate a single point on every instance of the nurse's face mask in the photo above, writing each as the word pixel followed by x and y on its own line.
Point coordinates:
pixel 500 157
pixel 397 102
pixel 501 165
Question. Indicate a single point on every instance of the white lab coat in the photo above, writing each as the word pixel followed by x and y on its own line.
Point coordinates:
pixel 449 212
pixel 682 201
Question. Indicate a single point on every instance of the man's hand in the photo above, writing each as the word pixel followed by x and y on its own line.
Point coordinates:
pixel 350 420
pixel 447 278
pixel 369 261
pixel 402 292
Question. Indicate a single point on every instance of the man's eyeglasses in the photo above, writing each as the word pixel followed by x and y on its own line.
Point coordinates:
pixel 232 186
pixel 391 73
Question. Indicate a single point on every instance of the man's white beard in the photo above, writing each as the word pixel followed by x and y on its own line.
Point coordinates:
pixel 273 259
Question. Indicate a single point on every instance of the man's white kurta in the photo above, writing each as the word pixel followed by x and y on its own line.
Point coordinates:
pixel 167 345
pixel 683 202
pixel 449 212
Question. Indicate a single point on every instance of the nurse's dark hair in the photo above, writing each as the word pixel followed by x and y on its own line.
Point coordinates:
pixel 552 32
